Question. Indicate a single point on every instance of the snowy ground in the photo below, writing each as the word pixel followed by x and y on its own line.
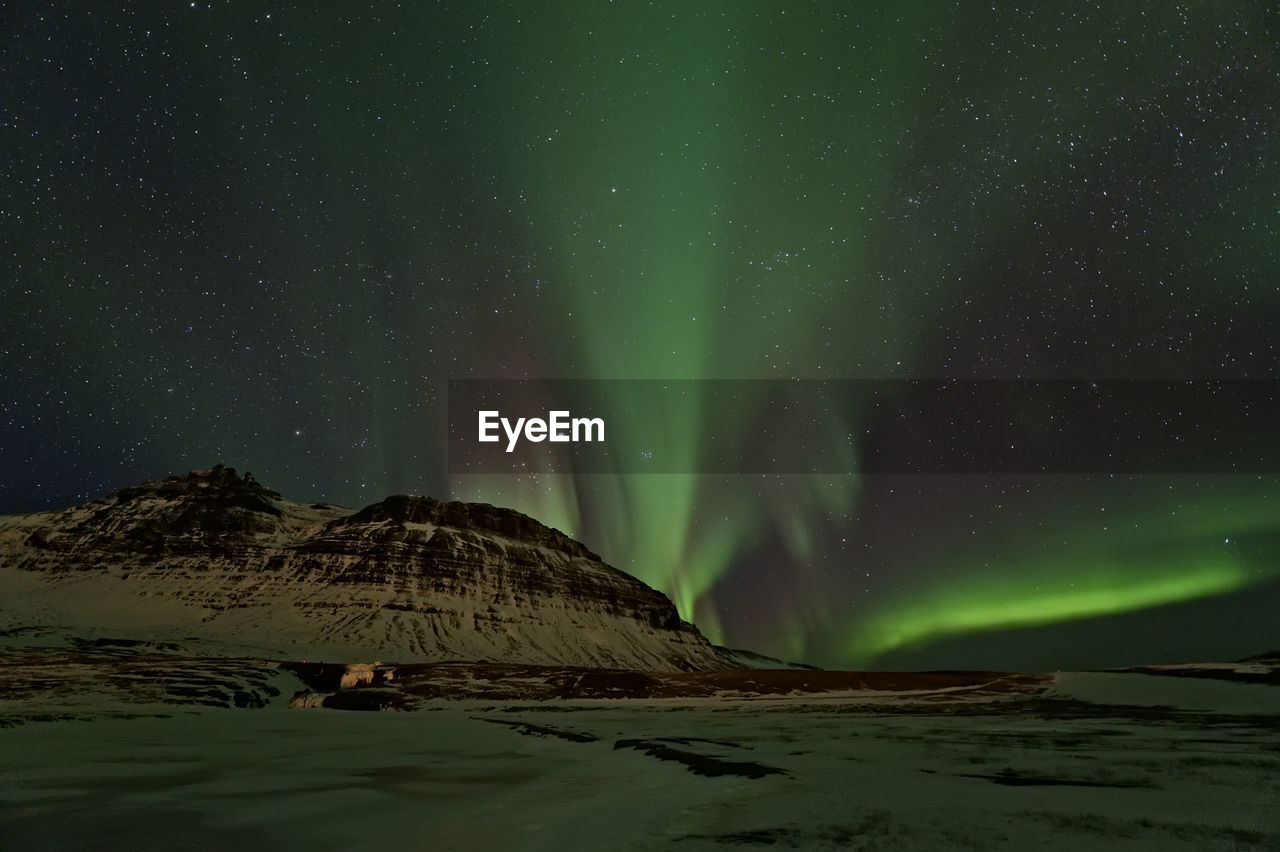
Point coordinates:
pixel 1099 761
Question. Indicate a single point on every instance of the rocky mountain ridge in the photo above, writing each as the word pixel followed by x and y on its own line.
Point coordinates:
pixel 216 558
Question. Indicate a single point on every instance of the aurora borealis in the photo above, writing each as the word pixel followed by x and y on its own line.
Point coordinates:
pixel 269 235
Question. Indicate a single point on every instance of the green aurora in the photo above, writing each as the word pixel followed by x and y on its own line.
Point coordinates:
pixel 1177 544
pixel 802 195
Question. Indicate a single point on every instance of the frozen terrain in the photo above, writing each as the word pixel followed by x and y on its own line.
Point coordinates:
pixel 1087 760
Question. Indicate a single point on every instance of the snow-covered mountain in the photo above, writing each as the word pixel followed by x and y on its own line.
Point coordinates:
pixel 214 559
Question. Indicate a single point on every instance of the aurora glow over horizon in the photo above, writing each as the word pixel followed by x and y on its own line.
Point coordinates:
pixel 269 237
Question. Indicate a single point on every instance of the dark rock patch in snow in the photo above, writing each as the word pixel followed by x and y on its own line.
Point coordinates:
pixel 700 764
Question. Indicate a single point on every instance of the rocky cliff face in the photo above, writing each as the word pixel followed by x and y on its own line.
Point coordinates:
pixel 212 557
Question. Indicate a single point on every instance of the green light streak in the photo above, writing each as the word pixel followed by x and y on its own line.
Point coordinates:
pixel 1166 540
pixel 1068 592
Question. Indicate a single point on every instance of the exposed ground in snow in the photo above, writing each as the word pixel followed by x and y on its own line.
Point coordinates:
pixel 415 685
pixel 880 761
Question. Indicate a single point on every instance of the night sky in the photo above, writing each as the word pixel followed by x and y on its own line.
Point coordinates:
pixel 268 235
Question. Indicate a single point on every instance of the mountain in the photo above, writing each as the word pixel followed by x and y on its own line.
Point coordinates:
pixel 216 560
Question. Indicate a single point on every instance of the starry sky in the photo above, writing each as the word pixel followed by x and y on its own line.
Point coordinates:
pixel 269 234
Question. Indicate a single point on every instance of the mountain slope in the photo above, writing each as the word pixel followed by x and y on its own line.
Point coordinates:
pixel 211 557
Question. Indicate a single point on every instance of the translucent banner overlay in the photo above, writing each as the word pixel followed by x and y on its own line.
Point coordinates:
pixel 870 426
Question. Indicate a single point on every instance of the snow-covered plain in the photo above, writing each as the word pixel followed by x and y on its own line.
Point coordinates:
pixel 1111 761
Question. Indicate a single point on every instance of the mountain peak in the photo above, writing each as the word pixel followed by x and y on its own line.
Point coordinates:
pixel 483 517
pixel 217 557
pixel 219 479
